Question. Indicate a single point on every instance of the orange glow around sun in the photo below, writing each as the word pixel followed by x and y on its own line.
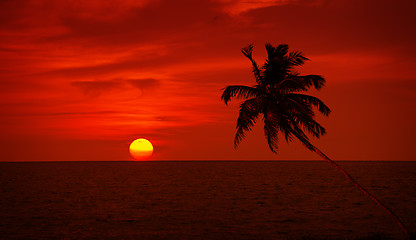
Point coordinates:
pixel 141 149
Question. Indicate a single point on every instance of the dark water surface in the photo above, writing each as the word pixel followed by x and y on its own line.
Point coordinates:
pixel 202 200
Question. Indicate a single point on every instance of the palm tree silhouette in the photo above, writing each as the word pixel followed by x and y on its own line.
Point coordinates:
pixel 277 97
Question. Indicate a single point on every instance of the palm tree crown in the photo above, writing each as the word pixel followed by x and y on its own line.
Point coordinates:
pixel 277 97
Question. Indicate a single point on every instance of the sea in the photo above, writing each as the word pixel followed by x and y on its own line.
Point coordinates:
pixel 204 200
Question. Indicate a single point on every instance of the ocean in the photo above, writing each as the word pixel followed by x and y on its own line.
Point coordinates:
pixel 203 200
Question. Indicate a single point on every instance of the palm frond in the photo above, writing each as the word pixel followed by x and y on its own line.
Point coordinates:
pixel 292 83
pixel 314 128
pixel 313 80
pixel 284 127
pixel 281 50
pixel 295 107
pixel 295 129
pixel 303 139
pixel 270 51
pixel 276 53
pixel 248 52
pixel 310 125
pixel 271 129
pixel 301 113
pixel 249 111
pixel 238 91
pixel 296 58
pixel 295 83
pixel 239 136
pixel 310 100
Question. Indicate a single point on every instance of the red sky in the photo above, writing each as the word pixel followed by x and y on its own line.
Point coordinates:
pixel 80 80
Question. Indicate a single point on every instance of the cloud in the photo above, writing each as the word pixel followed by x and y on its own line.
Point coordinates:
pixel 109 22
pixel 143 84
pixel 234 7
pixel 98 87
pixel 57 114
pixel 104 10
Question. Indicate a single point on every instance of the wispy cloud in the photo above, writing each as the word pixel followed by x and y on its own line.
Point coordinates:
pixel 234 7
pixel 144 84
pixel 98 87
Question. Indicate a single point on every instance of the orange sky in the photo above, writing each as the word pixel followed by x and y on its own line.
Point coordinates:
pixel 79 80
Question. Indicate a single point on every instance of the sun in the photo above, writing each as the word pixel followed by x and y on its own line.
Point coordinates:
pixel 141 149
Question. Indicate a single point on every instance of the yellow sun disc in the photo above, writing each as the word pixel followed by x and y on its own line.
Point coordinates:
pixel 141 149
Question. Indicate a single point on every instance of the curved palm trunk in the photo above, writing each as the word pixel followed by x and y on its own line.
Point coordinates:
pixel 363 190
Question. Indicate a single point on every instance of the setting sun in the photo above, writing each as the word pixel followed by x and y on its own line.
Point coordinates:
pixel 141 149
